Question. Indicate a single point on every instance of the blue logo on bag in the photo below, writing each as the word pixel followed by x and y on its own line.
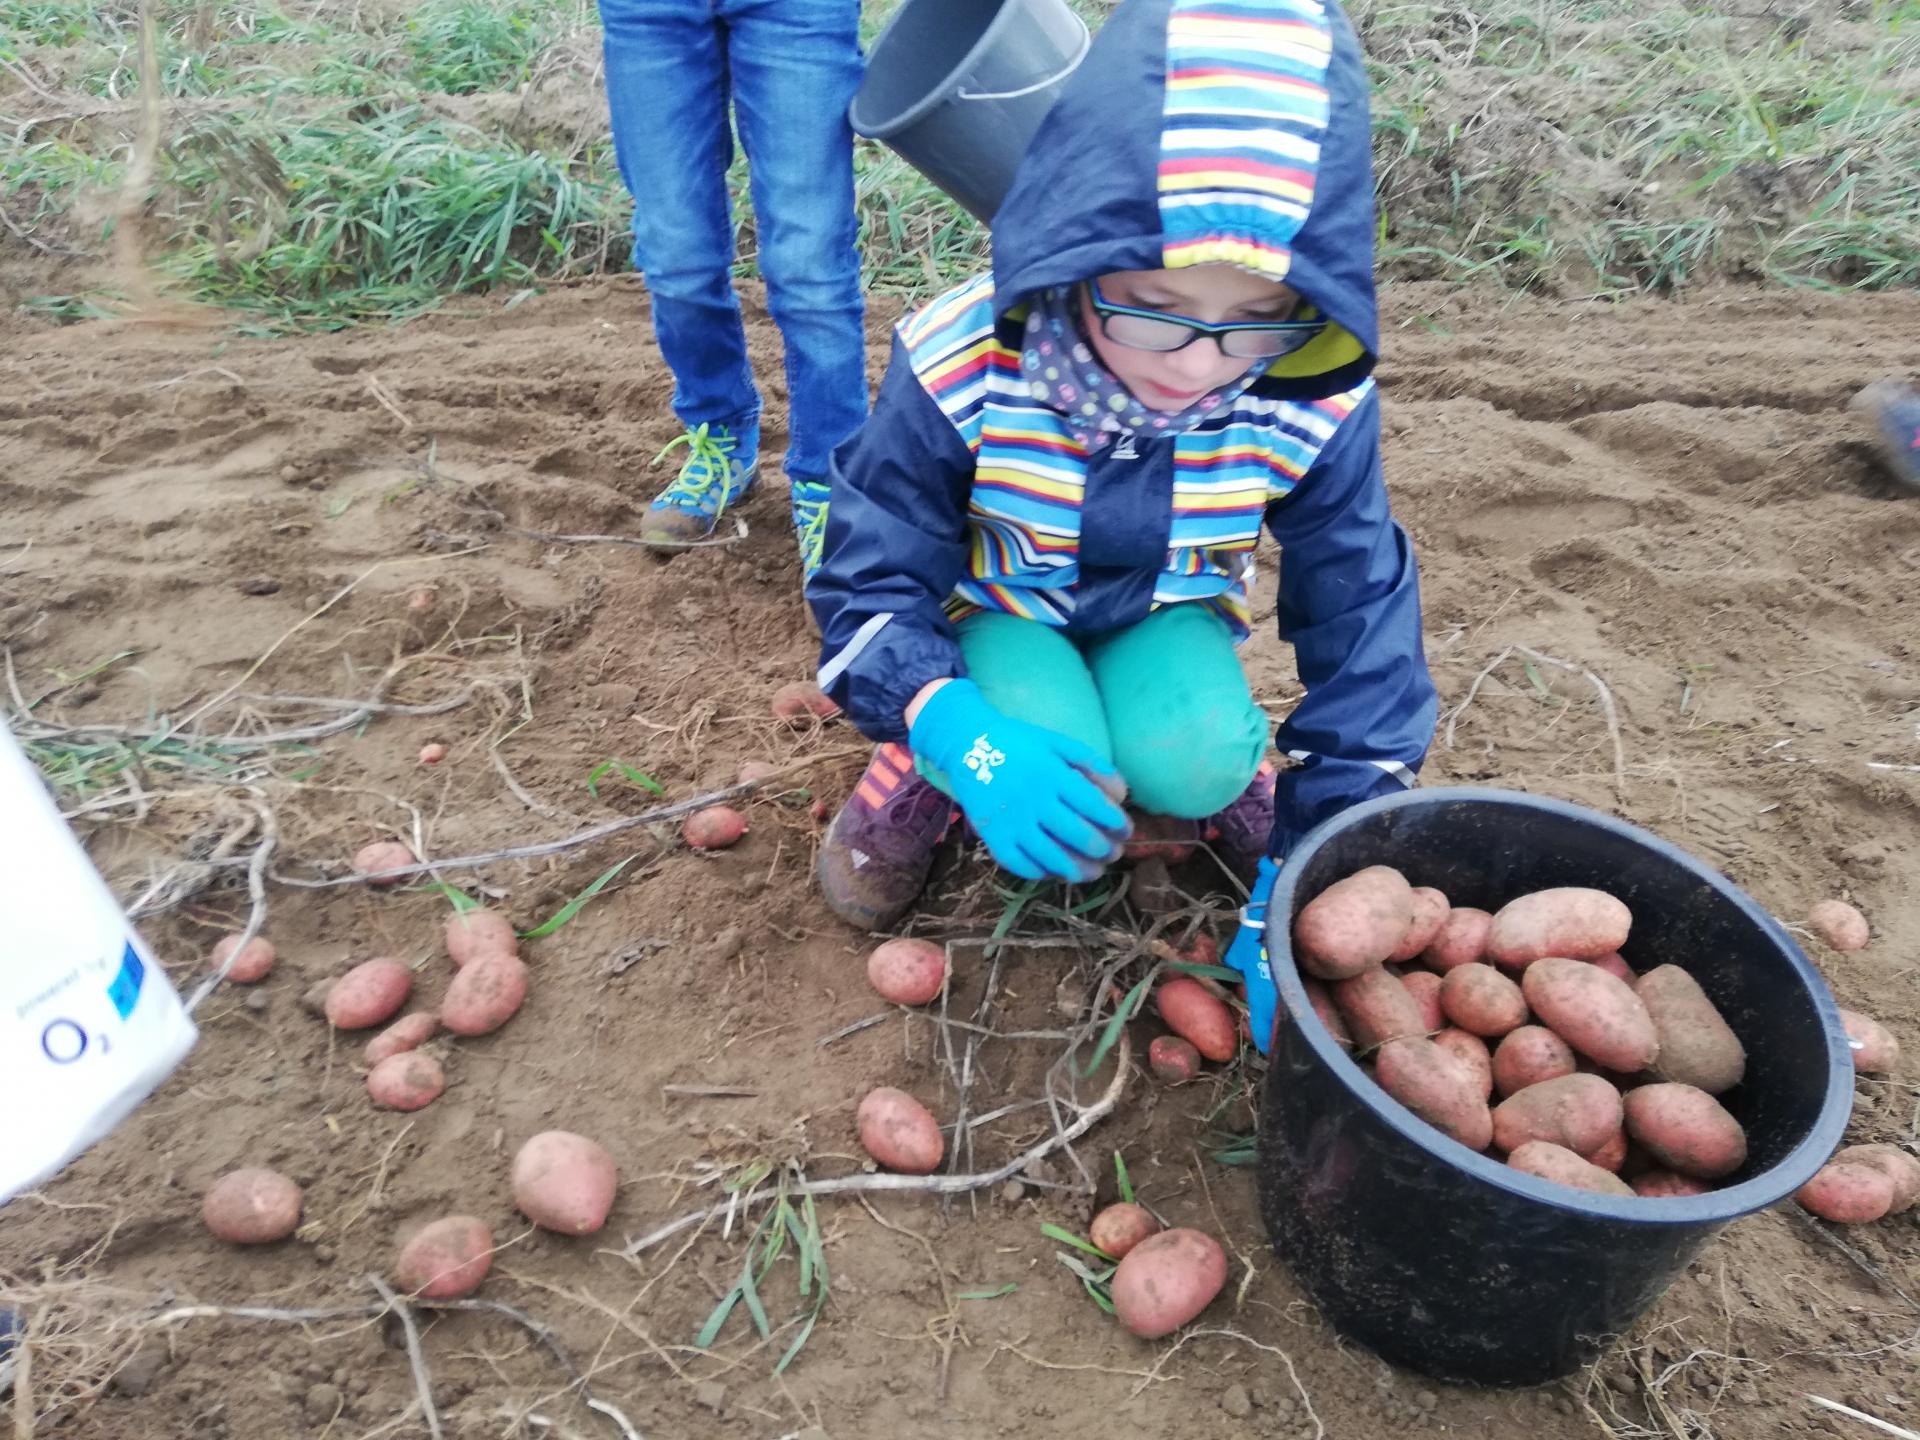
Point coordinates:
pixel 124 992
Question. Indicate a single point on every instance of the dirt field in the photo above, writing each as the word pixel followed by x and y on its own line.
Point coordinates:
pixel 1670 495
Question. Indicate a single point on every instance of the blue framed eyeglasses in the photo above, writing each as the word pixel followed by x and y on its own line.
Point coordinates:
pixel 1162 333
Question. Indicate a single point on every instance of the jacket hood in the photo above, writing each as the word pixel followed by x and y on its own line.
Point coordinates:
pixel 1210 131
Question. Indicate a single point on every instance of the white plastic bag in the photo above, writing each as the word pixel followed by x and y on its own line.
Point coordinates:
pixel 89 1023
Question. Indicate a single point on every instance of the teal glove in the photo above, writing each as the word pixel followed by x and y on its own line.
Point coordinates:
pixel 1025 788
pixel 1248 955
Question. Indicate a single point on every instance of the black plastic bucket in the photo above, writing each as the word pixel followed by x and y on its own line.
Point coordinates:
pixel 1446 1261
pixel 958 88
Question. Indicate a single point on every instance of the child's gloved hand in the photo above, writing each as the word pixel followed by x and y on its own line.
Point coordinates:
pixel 1025 788
pixel 1248 955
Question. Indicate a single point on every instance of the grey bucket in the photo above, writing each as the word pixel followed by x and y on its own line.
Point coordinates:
pixel 958 88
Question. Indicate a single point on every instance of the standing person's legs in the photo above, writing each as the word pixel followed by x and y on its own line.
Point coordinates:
pixel 796 65
pixel 667 94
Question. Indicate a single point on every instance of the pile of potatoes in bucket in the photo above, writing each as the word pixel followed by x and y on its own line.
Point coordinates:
pixel 1524 1034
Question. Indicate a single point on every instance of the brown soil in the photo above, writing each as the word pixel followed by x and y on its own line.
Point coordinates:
pixel 1672 496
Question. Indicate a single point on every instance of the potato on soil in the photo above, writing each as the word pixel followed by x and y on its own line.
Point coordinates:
pixel 1460 940
pixel 1195 1014
pixel 251 965
pixel 1166 1280
pixel 375 861
pixel 1598 1015
pixel 1424 986
pixel 369 994
pixel 1577 1112
pixel 1430 909
pixel 1847 1192
pixel 1561 1165
pixel 564 1182
pixel 753 770
pixel 1667 1185
pixel 800 701
pixel 1436 1087
pixel 1120 1228
pixel 1471 1051
pixel 1528 1056
pixel 409 1032
pixel 1697 1047
pixel 899 1132
pixel 1377 1008
pixel 1685 1129
pixel 446 1259
pixel 1893 1162
pixel 1875 1051
pixel 485 995
pixel 1839 924
pixel 907 972
pixel 472 934
pixel 432 753
pixel 1173 1061
pixel 252 1207
pixel 407 1081
pixel 1480 999
pixel 714 828
pixel 1322 1001
pixel 1570 921
pixel 1354 923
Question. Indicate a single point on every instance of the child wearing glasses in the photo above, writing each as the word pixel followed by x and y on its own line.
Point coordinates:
pixel 1039 549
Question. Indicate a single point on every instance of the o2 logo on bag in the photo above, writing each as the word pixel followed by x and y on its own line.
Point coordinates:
pixel 64 1040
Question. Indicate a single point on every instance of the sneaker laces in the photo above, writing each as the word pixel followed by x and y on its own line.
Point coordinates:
pixel 709 459
pixel 810 525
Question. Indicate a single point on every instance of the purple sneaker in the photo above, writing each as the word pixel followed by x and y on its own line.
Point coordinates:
pixel 1241 832
pixel 880 847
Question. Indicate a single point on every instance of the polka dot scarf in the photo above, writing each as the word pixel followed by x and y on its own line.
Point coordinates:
pixel 1062 371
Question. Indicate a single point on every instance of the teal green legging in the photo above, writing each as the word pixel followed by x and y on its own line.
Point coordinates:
pixel 1165 700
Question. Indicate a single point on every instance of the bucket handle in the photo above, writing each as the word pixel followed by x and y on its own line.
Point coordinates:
pixel 1086 44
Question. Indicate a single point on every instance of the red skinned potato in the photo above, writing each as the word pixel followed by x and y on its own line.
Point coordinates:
pixel 446 1259
pixel 907 972
pixel 369 994
pixel 1528 1056
pixel 1615 964
pixel 801 701
pixel 485 995
pixel 1875 1051
pixel 407 1081
pixel 899 1132
pixel 1847 1193
pixel 714 828
pixel 1424 986
pixel 250 965
pixel 1322 1001
pixel 1667 1185
pixel 1471 1051
pixel 1120 1228
pixel 1612 1155
pixel 1195 1014
pixel 1354 924
pixel 1430 909
pixel 1577 1112
pixel 1460 940
pixel 564 1182
pixel 1173 1061
pixel 1896 1164
pixel 409 1032
pixel 1570 921
pixel 1598 1015
pixel 1562 1166
pixel 1438 1088
pixel 472 934
pixel 252 1207
pixel 432 753
pixel 751 770
pixel 1839 924
pixel 1480 999
pixel 375 861
pixel 1697 1047
pixel 1166 1280
pixel 1377 1008
pixel 1685 1129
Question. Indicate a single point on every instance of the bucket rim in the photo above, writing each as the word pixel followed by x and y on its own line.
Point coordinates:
pixel 950 85
pixel 1716 1207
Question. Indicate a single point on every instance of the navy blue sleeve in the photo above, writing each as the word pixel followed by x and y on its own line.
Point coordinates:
pixel 896 546
pixel 1349 606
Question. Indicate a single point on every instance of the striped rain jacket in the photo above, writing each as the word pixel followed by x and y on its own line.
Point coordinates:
pixel 1233 131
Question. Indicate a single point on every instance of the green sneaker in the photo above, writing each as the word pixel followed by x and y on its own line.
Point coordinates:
pixel 809 499
pixel 721 465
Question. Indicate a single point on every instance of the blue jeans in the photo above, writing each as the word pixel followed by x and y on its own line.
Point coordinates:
pixel 790 68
